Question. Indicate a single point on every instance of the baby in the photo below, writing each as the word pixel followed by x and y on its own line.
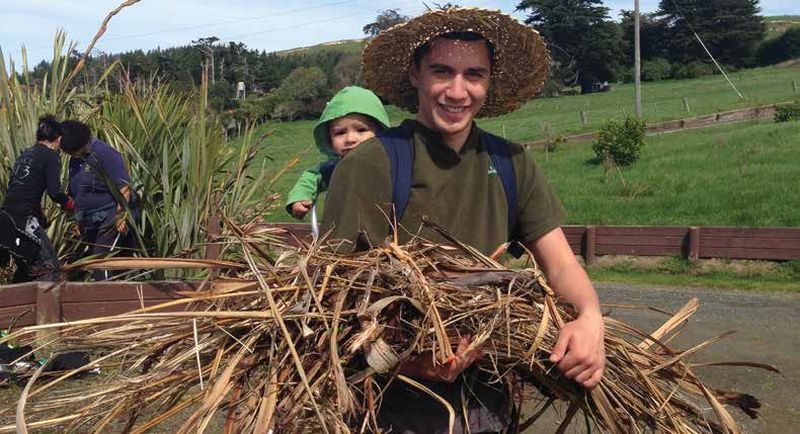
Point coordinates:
pixel 353 115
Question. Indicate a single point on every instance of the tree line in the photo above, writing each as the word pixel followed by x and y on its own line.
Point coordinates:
pixel 589 47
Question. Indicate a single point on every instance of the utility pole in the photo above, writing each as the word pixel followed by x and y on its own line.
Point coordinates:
pixel 637 63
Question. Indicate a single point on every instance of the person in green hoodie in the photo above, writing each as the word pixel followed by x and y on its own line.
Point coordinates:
pixel 353 115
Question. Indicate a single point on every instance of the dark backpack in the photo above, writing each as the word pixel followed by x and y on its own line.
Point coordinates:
pixel 397 144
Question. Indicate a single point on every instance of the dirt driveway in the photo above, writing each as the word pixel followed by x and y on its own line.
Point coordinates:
pixel 766 325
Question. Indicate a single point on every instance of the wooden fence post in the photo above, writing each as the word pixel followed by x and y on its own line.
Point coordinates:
pixel 686 105
pixel 584 118
pixel 794 87
pixel 589 243
pixel 213 249
pixel 694 243
pixel 48 309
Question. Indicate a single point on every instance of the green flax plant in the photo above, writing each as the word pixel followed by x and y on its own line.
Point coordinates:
pixel 23 100
pixel 186 174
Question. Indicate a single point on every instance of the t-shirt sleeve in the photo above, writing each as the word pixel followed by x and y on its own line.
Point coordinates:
pixel 539 210
pixel 359 196
pixel 52 172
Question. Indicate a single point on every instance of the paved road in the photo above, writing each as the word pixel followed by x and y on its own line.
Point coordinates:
pixel 766 326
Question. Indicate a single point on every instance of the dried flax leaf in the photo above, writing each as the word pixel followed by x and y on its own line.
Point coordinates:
pixel 680 317
pixel 266 410
pixel 298 363
pixel 728 423
pixel 342 391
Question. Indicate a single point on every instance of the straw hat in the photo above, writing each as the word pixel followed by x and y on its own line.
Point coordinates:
pixel 521 59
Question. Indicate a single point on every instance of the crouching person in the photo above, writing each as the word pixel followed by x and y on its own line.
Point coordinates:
pixel 22 221
pixel 99 183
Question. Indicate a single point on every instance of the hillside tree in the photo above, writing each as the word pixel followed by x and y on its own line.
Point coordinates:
pixel 386 18
pixel 303 93
pixel 580 34
pixel 731 29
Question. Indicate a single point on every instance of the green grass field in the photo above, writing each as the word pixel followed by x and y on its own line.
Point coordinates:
pixel 736 175
pixel 682 174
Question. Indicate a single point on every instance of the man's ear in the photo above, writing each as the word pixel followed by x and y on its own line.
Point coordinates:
pixel 413 75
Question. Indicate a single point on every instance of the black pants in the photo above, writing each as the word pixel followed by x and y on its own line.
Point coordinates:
pixel 24 238
pixel 99 234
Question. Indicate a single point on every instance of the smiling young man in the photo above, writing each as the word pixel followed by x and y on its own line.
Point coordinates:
pixel 449 67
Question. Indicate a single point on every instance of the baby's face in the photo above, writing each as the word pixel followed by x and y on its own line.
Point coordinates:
pixel 348 131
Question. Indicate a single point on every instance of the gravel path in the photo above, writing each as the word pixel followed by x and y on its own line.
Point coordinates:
pixel 766 326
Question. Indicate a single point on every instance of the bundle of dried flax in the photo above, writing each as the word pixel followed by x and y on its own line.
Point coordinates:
pixel 305 342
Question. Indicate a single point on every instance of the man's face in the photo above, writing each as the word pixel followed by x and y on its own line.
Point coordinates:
pixel 80 152
pixel 452 81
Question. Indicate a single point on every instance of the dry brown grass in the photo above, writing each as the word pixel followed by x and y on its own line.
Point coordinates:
pixel 301 342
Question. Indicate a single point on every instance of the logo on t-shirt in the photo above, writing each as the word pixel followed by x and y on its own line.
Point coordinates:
pixel 492 170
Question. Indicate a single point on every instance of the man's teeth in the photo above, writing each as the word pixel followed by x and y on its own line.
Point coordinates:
pixel 452 109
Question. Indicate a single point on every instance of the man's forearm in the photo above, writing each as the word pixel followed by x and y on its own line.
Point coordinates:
pixel 573 285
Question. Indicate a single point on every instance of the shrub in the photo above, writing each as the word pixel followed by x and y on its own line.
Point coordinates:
pixel 620 142
pixel 787 112
pixel 784 47
pixel 692 70
pixel 655 70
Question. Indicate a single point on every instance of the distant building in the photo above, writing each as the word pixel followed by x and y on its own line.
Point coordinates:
pixel 240 92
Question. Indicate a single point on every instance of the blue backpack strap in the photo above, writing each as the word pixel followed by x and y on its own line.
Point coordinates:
pixel 326 170
pixel 397 144
pixel 500 154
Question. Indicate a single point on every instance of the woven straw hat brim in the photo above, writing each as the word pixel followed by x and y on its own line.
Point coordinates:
pixel 521 66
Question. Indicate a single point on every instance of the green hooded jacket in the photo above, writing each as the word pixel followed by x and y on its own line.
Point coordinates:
pixel 350 100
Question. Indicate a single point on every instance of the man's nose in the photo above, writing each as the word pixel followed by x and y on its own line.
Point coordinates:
pixel 457 88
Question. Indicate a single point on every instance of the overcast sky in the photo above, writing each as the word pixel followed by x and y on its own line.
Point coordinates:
pixel 268 25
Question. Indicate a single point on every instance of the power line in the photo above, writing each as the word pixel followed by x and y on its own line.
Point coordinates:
pixel 232 21
pixel 213 24
pixel 278 29
pixel 680 12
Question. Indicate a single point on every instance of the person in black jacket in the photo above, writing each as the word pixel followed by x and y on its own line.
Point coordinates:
pixel 22 222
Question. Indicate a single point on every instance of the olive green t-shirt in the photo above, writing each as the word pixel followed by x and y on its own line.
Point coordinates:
pixel 461 192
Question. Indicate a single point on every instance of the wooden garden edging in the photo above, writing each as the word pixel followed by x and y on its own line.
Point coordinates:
pixel 31 303
pixel 43 303
pixel 775 244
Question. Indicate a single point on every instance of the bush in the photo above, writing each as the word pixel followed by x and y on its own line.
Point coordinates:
pixel 784 47
pixel 692 70
pixel 787 112
pixel 656 69
pixel 620 142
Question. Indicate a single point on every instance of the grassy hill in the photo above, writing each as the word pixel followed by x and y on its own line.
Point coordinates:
pixel 347 46
pixel 780 23
pixel 567 167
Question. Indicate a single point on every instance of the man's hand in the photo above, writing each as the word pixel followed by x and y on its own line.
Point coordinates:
pixel 301 208
pixel 422 366
pixel 579 352
pixel 121 222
